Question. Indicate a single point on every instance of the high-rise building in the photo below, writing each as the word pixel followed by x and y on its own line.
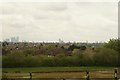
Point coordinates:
pixel 15 39
pixel 61 41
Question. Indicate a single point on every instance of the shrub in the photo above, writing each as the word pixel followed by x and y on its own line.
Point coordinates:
pixel 14 59
pixel 106 57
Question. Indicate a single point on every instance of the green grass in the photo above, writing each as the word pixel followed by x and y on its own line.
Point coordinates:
pixel 50 69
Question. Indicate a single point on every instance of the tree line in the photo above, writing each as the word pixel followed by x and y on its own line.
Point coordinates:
pixel 107 55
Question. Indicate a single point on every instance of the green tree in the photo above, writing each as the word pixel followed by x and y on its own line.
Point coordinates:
pixel 14 59
pixel 114 44
pixel 106 57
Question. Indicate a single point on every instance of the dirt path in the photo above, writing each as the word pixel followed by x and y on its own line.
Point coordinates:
pixel 69 74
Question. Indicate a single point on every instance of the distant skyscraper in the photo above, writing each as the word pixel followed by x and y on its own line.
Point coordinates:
pixel 61 41
pixel 15 39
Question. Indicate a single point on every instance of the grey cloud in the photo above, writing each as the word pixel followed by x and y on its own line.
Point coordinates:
pixel 70 21
pixel 55 6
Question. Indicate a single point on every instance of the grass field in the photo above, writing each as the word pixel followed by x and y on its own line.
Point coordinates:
pixel 59 72
pixel 49 69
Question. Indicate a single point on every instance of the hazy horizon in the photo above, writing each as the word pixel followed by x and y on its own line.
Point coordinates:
pixel 70 21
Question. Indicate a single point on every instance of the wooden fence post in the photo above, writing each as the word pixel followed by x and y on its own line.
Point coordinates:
pixel 87 75
pixel 115 74
pixel 30 75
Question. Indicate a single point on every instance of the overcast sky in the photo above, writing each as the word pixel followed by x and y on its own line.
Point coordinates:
pixel 49 21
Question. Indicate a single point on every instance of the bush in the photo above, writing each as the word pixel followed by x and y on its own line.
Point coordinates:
pixel 86 59
pixel 31 61
pixel 106 57
pixel 114 44
pixel 14 59
pixel 102 57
